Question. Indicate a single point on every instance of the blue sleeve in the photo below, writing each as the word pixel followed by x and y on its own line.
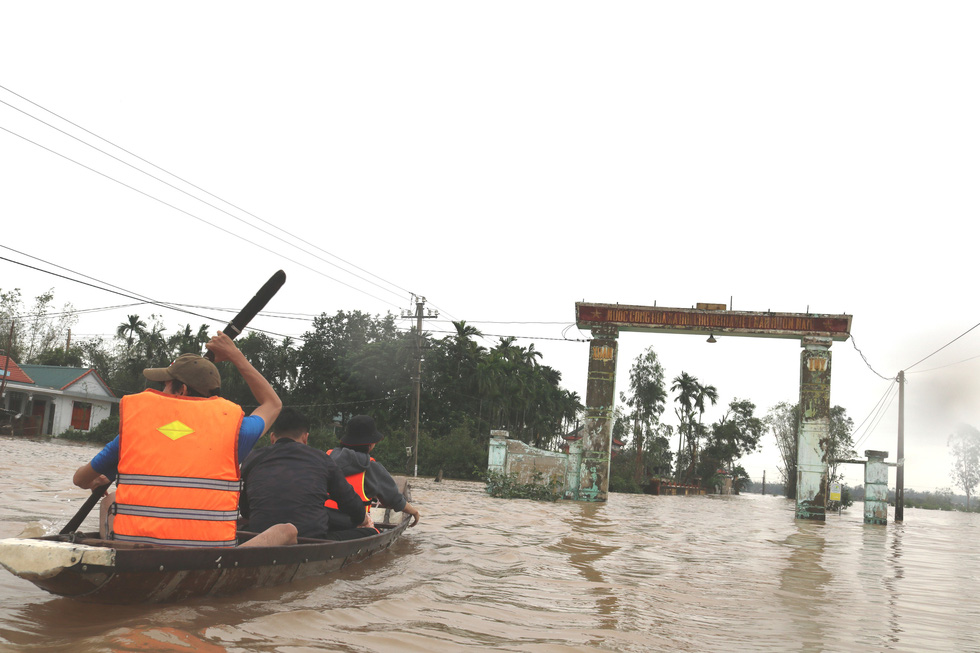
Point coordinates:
pixel 107 461
pixel 251 430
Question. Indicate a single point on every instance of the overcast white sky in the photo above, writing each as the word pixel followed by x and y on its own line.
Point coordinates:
pixel 508 159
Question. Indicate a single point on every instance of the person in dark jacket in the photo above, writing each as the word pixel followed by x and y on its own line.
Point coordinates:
pixel 290 482
pixel 368 476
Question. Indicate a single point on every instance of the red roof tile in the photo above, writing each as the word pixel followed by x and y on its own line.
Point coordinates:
pixel 14 373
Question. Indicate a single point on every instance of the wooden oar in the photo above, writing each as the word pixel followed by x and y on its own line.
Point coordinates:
pixel 86 508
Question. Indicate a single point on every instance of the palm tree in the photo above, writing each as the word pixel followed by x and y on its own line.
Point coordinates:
pixel 465 351
pixel 130 330
pixel 530 355
pixel 154 345
pixel 489 373
pixel 203 334
pixel 687 388
pixel 705 393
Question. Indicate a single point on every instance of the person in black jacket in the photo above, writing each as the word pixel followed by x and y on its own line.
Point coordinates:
pixel 367 475
pixel 289 482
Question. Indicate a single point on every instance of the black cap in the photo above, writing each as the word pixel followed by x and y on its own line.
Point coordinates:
pixel 361 430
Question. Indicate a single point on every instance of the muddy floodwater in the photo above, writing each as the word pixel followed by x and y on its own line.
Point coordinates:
pixel 638 573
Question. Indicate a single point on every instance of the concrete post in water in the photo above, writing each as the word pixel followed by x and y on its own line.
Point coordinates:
pixel 600 396
pixel 811 460
pixel 498 452
pixel 574 466
pixel 876 488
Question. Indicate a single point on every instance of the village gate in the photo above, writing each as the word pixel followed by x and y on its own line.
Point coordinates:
pixel 816 334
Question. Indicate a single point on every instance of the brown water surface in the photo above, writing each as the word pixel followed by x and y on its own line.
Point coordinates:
pixel 639 573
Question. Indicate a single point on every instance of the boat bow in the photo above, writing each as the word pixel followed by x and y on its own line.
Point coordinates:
pixel 40 559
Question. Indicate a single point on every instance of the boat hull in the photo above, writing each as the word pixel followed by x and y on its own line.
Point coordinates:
pixel 155 574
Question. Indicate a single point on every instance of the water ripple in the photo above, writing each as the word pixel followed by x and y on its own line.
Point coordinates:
pixel 638 573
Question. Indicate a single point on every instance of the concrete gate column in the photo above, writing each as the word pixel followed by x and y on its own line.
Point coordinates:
pixel 600 396
pixel 811 459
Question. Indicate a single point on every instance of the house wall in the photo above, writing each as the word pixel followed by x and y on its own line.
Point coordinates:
pixel 86 389
pixel 63 408
pixel 87 386
pixel 58 405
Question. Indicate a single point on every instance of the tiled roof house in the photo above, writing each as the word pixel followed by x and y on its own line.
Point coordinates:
pixel 48 400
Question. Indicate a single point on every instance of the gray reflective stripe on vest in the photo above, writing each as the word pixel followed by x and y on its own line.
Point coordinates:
pixel 160 540
pixel 176 513
pixel 178 481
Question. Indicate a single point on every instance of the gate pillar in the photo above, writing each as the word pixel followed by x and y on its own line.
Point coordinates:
pixel 600 396
pixel 876 488
pixel 811 459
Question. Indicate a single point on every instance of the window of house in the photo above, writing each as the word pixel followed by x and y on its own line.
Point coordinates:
pixel 81 415
pixel 16 401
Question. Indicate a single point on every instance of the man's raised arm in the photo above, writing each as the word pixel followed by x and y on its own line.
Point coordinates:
pixel 269 403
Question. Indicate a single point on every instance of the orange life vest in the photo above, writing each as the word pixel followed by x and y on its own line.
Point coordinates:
pixel 178 470
pixel 357 482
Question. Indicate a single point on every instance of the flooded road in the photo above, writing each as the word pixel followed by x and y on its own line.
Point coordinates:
pixel 639 573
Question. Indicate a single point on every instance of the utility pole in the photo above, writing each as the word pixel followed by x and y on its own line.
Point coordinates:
pixel 417 376
pixel 900 470
pixel 763 482
pixel 6 362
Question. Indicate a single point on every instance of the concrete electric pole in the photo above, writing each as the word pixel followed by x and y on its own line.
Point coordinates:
pixel 417 375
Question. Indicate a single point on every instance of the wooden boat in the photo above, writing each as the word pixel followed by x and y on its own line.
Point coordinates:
pixel 83 567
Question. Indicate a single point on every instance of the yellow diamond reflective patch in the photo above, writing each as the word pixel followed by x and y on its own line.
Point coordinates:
pixel 175 430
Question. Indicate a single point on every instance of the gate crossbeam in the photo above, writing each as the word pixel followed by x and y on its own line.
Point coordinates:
pixel 817 332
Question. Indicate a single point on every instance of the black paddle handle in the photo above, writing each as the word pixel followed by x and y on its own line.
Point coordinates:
pixel 86 508
pixel 252 308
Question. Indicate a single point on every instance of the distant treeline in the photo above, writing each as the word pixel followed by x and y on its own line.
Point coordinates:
pixel 943 499
pixel 345 364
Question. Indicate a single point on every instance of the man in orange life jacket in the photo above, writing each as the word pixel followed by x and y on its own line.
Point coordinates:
pixel 368 477
pixel 177 456
pixel 291 482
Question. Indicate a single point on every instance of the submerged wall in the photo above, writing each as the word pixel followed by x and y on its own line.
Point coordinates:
pixel 535 466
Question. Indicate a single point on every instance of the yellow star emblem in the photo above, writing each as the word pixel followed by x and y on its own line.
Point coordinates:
pixel 175 430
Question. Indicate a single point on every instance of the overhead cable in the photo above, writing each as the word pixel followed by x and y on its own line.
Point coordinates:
pixel 882 376
pixel 876 414
pixel 873 410
pixel 880 416
pixel 933 369
pixel 124 293
pixel 943 347
pixel 192 185
pixel 196 217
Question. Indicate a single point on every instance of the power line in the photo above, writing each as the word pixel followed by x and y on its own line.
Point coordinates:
pixel 350 403
pixel 136 156
pixel 933 369
pixel 196 217
pixel 864 358
pixel 116 292
pixel 180 307
pixel 80 311
pixel 497 335
pixel 944 346
pixel 881 416
pixel 888 389
pixel 876 415
pixel 505 322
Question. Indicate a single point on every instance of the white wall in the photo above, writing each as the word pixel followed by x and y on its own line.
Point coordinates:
pixel 62 412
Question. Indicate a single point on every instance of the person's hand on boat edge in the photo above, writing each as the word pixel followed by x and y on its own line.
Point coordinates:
pixel 413 511
pixel 368 522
